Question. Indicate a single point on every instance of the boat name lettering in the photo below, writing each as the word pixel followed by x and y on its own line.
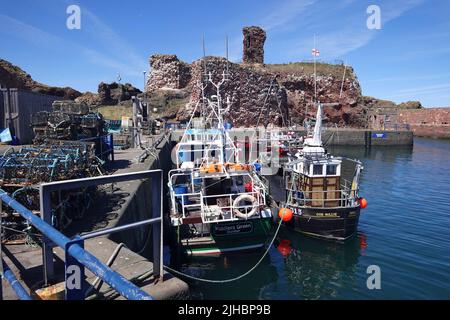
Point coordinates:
pixel 326 214
pixel 233 228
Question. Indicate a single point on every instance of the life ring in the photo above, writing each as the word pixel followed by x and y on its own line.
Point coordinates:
pixel 243 197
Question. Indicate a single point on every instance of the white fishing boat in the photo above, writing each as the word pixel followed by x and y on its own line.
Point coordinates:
pixel 218 203
pixel 322 202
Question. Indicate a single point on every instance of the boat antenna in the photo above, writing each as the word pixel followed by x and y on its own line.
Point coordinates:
pixel 315 53
pixel 226 48
pixel 204 56
pixel 343 78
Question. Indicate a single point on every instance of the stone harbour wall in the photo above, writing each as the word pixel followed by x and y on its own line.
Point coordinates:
pixel 427 122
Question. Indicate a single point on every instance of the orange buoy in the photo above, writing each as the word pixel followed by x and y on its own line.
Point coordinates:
pixel 362 203
pixel 285 214
pixel 284 247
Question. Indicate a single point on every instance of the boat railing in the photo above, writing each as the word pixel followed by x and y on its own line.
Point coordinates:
pixel 344 197
pixel 185 200
pixel 227 210
pixel 315 155
pixel 202 153
pixel 219 207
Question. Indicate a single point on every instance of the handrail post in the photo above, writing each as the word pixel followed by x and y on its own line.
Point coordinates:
pixel 111 142
pixel 157 228
pixel 47 247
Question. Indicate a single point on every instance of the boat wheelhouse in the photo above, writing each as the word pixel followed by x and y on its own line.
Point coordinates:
pixel 218 204
pixel 324 203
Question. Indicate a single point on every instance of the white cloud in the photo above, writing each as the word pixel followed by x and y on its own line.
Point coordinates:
pixel 426 89
pixel 422 91
pixel 335 41
pixel 41 38
pixel 116 44
pixel 411 78
pixel 285 13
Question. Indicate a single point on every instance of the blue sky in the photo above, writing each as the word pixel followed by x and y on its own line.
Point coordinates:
pixel 407 59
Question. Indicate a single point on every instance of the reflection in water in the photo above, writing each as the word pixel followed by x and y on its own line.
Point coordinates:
pixel 227 267
pixel 404 230
pixel 315 269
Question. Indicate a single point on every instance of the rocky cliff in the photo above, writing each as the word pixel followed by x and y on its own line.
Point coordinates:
pixel 336 86
pixel 109 94
pixel 168 72
pixel 259 94
pixel 253 44
pixel 255 96
pixel 264 94
pixel 12 76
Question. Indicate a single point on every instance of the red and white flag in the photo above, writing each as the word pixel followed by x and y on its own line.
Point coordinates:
pixel 315 52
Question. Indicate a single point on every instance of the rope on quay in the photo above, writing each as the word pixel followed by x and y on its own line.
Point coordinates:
pixel 236 278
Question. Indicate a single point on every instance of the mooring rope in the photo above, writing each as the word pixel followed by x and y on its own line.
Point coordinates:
pixel 235 278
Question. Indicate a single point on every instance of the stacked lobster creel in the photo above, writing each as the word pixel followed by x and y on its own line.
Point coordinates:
pixel 57 154
pixel 68 121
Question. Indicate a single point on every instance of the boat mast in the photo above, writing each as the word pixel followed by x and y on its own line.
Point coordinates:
pixel 317 136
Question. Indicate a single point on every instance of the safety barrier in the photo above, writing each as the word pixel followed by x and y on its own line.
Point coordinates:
pixel 21 293
pixel 76 258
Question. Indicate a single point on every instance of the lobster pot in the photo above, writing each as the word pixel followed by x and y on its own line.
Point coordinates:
pixel 70 107
pixel 40 118
pixel 91 121
pixel 59 119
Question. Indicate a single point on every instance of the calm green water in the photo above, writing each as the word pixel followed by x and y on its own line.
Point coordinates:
pixel 405 230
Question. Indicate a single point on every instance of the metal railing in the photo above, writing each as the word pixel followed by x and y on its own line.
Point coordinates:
pixel 182 201
pixel 226 210
pixel 19 290
pixel 306 198
pixel 76 258
pixel 152 148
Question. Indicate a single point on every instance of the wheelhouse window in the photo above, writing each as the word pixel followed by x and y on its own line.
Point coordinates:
pixel 317 169
pixel 306 169
pixel 331 169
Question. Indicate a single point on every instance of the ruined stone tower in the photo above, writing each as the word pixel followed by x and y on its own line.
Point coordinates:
pixel 254 38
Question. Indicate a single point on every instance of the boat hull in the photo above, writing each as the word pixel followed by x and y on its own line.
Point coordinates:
pixel 337 224
pixel 229 237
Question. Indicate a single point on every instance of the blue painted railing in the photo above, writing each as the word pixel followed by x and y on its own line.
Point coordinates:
pixel 21 293
pixel 115 280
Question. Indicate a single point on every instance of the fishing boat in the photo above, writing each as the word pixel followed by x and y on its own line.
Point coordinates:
pixel 218 203
pixel 322 202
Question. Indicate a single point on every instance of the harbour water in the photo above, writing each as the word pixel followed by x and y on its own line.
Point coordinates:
pixel 405 230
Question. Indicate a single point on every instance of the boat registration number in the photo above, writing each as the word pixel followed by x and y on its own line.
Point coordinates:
pixel 235 228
